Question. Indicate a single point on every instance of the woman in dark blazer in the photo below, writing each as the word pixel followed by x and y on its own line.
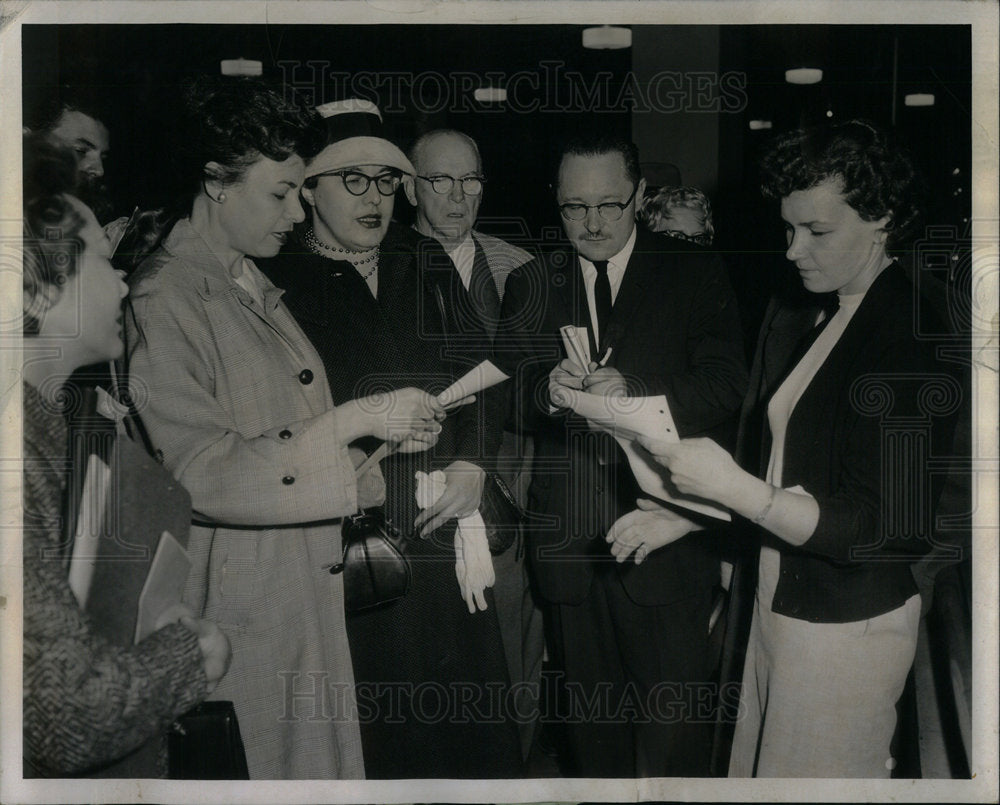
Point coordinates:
pixel 846 404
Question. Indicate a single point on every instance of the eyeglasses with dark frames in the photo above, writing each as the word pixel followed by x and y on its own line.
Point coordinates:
pixel 357 183
pixel 442 184
pixel 609 210
pixel 701 238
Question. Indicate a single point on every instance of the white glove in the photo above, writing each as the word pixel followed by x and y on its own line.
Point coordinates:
pixel 473 563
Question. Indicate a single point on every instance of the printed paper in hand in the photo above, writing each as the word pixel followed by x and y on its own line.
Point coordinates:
pixel 164 584
pixel 625 418
pixel 474 381
pixel 576 341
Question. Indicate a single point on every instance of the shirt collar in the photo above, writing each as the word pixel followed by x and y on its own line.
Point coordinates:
pixel 616 261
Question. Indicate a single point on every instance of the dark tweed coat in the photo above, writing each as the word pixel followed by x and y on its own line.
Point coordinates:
pixel 86 702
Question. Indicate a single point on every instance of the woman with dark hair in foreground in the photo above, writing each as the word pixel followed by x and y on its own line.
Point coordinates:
pixel 239 406
pixel 845 403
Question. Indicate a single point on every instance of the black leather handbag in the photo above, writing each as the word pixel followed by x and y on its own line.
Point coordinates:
pixel 501 514
pixel 205 744
pixel 375 570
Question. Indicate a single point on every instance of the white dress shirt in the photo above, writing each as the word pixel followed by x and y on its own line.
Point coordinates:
pixel 616 273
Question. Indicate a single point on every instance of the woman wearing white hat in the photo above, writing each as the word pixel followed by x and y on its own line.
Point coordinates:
pixel 368 293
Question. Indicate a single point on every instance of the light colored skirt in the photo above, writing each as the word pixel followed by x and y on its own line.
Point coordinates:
pixel 819 699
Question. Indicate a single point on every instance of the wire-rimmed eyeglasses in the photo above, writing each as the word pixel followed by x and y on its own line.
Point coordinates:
pixel 609 210
pixel 442 184
pixel 357 183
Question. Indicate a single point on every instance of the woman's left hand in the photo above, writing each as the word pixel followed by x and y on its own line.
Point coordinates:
pixel 464 491
pixel 697 467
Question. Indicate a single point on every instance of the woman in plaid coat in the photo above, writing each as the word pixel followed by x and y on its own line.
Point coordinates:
pixel 236 399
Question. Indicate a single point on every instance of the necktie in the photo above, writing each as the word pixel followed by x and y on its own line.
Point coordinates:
pixel 602 299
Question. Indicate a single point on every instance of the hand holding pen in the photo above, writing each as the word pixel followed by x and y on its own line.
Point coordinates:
pixel 596 378
pixel 603 379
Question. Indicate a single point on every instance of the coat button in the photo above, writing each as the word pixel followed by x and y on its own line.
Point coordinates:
pixel 288 480
pixel 285 434
pixel 306 377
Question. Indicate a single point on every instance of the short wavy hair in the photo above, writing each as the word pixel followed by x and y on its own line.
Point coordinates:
pixel 234 122
pixel 52 226
pixel 877 177
pixel 654 209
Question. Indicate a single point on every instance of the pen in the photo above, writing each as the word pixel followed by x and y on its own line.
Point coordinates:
pixel 604 360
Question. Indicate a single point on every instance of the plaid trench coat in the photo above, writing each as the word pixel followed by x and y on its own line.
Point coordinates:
pixel 236 399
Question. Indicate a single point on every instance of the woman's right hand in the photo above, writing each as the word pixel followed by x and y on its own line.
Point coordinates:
pixel 215 649
pixel 408 417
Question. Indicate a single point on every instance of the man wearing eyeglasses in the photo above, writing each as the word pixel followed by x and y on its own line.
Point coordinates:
pixel 631 636
pixel 447 191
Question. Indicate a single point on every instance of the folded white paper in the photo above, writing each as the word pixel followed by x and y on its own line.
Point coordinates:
pixel 576 341
pixel 625 418
pixel 164 584
pixel 474 381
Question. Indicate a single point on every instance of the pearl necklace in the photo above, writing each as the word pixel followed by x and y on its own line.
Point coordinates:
pixel 335 253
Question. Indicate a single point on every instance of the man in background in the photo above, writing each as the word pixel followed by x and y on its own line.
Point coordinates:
pixel 70 120
pixel 447 192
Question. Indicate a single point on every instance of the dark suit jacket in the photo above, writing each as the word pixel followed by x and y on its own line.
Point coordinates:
pixel 674 330
pixel 860 440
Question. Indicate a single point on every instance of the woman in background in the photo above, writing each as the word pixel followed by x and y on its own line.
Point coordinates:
pixel 678 212
pixel 87 703
pixel 237 401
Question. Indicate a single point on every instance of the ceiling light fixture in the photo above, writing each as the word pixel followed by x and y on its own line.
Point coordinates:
pixel 760 125
pixel 918 99
pixel 241 66
pixel 607 37
pixel 804 75
pixel 490 95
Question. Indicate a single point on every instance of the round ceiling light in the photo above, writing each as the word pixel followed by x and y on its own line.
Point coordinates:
pixel 607 37
pixel 804 75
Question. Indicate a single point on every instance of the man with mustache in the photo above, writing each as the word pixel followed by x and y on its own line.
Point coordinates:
pixel 631 636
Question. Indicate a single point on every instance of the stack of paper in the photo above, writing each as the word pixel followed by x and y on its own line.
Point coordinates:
pixel 628 417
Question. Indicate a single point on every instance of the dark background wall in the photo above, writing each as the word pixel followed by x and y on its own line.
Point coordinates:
pixel 686 94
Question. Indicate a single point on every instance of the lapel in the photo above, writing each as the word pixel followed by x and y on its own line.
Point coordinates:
pixel 631 292
pixel 568 293
pixel 862 331
pixel 212 281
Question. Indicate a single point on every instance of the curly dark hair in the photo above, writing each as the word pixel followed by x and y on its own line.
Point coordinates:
pixel 52 226
pixel 877 176
pixel 234 122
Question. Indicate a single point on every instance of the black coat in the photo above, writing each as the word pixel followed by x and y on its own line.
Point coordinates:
pixel 674 330
pixel 861 440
